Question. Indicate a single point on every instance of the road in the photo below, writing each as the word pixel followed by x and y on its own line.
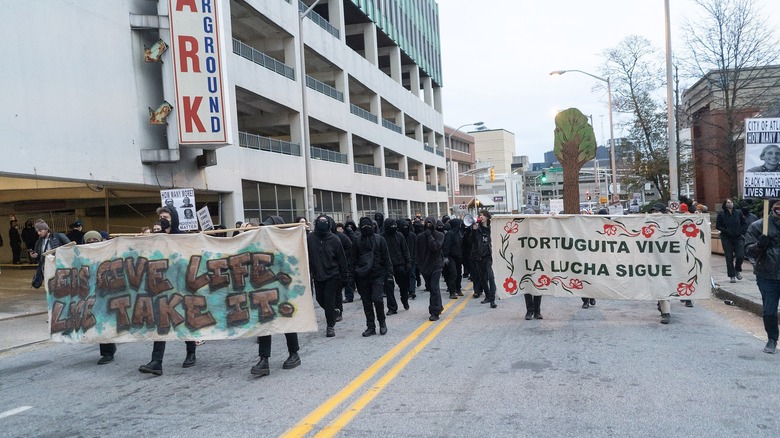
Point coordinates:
pixel 611 370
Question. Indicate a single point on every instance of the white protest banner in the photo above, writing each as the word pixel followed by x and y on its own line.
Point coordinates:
pixel 182 202
pixel 647 257
pixel 762 158
pixel 181 286
pixel 204 218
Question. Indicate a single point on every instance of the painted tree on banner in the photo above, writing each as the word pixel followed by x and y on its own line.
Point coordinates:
pixel 575 144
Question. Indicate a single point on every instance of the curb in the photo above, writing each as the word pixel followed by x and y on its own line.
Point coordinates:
pixel 23 316
pixel 741 302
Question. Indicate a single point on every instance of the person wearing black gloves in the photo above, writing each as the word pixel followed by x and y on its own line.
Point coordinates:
pixel 372 268
pixel 482 254
pixel 764 250
pixel 328 267
pixel 399 257
pixel 430 262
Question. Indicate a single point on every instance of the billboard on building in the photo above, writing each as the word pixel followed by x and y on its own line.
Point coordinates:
pixel 198 72
pixel 762 158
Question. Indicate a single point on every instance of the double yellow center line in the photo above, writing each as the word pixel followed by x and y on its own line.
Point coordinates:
pixel 307 423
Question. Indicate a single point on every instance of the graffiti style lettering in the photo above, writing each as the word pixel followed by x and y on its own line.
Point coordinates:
pixel 262 300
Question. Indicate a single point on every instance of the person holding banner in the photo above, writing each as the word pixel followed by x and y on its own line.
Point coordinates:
pixel 482 254
pixel 328 266
pixel 107 350
pixel 169 222
pixel 262 368
pixel 763 245
pixel 771 156
pixel 732 225
pixel 664 306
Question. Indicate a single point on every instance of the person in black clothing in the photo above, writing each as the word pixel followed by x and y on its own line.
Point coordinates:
pixel 351 231
pixel 262 368
pixel 453 251
pixel 418 230
pixel 379 218
pixel 411 238
pixel 328 266
pixel 482 254
pixel 430 262
pixel 732 226
pixel 75 234
pixel 169 220
pixel 15 240
pixel 29 237
pixel 346 243
pixel 399 257
pixel 372 268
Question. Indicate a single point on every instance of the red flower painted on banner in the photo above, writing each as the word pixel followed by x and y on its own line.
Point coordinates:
pixel 575 283
pixel 690 230
pixel 610 230
pixel 648 230
pixel 511 227
pixel 544 280
pixel 510 285
pixel 685 289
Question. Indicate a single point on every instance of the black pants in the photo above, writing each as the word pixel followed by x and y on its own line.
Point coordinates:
pixel 349 289
pixel 370 291
pixel 533 303
pixel 326 298
pixel 16 250
pixel 158 351
pixel 107 349
pixel 402 280
pixel 264 344
pixel 475 277
pixel 734 250
pixel 487 281
pixel 434 304
pixel 454 275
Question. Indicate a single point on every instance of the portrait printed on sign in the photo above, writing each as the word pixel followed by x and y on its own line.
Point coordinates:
pixel 182 201
pixel 762 158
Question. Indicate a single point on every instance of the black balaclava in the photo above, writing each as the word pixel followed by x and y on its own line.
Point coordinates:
pixel 366 226
pixel 405 228
pixel 390 227
pixel 322 227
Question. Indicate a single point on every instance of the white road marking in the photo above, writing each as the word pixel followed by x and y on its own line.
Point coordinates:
pixel 18 410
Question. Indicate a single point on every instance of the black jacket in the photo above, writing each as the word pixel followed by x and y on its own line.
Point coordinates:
pixel 453 241
pixel 767 263
pixel 396 245
pixel 411 238
pixel 381 265
pixel 731 224
pixel 481 245
pixel 326 255
pixel 29 236
pixel 429 243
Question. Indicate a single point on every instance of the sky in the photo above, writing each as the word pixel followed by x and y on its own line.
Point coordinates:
pixel 497 56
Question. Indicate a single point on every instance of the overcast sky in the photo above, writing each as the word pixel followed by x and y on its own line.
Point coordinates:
pixel 497 56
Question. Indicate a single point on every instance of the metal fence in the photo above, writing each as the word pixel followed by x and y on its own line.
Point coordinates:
pixel 258 142
pixel 328 155
pixel 260 58
pixel 324 88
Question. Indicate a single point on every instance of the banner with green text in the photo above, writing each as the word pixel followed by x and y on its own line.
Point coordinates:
pixel 181 287
pixel 637 257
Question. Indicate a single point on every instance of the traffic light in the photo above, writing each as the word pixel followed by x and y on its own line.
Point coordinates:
pixel 587 195
pixel 492 174
pixel 544 176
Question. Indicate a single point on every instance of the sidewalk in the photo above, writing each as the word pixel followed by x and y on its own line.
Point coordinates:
pixel 23 310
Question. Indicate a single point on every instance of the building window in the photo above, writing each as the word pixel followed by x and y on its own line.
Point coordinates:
pixel 367 206
pixel 396 209
pixel 417 207
pixel 334 204
pixel 262 200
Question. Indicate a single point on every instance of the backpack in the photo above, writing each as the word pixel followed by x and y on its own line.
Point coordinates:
pixel 365 263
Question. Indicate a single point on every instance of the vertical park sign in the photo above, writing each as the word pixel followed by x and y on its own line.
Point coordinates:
pixel 198 73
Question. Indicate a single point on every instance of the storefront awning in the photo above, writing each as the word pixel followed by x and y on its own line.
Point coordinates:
pixel 481 201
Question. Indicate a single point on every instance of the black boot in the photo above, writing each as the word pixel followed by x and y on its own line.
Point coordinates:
pixel 189 360
pixel 293 361
pixel 369 332
pixel 529 307
pixel 382 328
pixel 537 306
pixel 262 368
pixel 153 367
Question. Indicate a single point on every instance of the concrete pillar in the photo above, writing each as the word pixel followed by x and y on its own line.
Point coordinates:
pixel 437 105
pixel 375 105
pixel 370 43
pixel 428 90
pixel 336 17
pixel 414 80
pixel 395 64
pixel 418 133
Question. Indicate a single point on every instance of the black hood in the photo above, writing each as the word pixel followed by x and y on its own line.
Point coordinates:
pixel 273 220
pixel 455 224
pixel 388 224
pixel 174 221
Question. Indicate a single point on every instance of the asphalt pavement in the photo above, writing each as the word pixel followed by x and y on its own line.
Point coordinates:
pixel 23 310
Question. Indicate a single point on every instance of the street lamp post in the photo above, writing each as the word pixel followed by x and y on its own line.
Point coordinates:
pixel 309 202
pixel 453 175
pixel 615 196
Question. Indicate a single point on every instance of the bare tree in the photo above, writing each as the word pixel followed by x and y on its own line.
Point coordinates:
pixel 635 69
pixel 729 44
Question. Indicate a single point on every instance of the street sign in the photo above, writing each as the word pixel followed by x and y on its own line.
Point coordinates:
pixel 674 206
pixel 498 199
pixel 555 169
